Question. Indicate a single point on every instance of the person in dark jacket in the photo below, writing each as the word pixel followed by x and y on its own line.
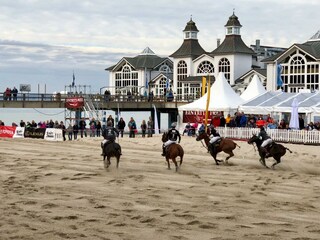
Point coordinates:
pixel 109 134
pixel 266 140
pixel 121 125
pixel 173 137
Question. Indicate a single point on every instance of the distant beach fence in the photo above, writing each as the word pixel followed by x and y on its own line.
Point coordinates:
pixel 279 135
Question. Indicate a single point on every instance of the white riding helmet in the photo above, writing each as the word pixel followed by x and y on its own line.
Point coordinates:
pixel 174 124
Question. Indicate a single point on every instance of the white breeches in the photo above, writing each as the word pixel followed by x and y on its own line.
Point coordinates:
pixel 266 142
pixel 214 139
pixel 167 143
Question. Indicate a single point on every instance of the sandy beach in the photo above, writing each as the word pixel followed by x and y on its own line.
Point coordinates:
pixel 60 190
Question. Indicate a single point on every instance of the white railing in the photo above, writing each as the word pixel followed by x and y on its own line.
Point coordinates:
pixel 91 109
pixel 281 135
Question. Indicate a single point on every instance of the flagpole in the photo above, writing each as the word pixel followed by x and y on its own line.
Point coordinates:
pixel 208 102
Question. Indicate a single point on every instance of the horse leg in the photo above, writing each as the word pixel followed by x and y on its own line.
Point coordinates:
pixel 175 163
pixel 167 159
pixel 118 160
pixel 104 161
pixel 278 160
pixel 181 159
pixel 230 155
pixel 108 161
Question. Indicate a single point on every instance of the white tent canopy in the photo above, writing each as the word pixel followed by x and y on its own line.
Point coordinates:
pixel 254 89
pixel 277 101
pixel 222 98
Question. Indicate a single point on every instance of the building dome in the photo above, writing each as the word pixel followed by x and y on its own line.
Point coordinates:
pixel 233 21
pixel 191 27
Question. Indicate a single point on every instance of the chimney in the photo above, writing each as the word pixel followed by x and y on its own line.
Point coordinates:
pixel 218 42
pixel 258 44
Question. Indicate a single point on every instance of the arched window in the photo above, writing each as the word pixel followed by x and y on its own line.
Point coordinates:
pixel 297 72
pixel 165 69
pixel 224 66
pixel 181 70
pixel 205 67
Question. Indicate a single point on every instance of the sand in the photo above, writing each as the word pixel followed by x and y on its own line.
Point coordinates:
pixel 60 190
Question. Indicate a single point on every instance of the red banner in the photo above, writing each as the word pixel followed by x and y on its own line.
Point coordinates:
pixel 197 116
pixel 7 131
pixel 74 102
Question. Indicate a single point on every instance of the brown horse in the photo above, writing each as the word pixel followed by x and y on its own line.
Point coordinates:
pixel 226 145
pixel 276 150
pixel 173 151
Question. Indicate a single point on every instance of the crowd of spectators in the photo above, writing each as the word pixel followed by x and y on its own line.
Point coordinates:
pixel 10 94
pixel 91 127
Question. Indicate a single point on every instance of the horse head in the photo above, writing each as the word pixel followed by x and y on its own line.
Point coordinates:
pixel 253 139
pixel 201 135
pixel 164 137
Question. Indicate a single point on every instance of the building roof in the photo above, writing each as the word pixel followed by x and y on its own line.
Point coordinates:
pixel 146 59
pixel 312 47
pixel 191 26
pixel 233 21
pixel 232 44
pixel 189 48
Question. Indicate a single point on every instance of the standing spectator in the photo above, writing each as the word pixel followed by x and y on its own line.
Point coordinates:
pixel 132 128
pixel 8 94
pixel 222 120
pixel 121 125
pixel 70 131
pixel 14 92
pixel 110 118
pixel 150 99
pixel 75 131
pixel 143 128
pixel 92 125
pixel 232 122
pixel 22 123
pixel 98 128
pixel 63 128
pixel 237 118
pixel 107 95
pixel 301 122
pixel 282 124
pixel 228 118
pixel 129 95
pixel 82 127
pixel 33 124
pixel 215 121
pixel 187 129
pixel 150 127
pixel 243 120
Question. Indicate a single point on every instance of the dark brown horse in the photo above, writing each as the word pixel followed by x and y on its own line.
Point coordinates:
pixel 173 151
pixel 276 150
pixel 111 149
pixel 226 145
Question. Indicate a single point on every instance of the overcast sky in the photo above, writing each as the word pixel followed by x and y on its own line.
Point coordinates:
pixel 42 42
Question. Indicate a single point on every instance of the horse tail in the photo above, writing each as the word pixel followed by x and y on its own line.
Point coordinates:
pixel 288 150
pixel 237 145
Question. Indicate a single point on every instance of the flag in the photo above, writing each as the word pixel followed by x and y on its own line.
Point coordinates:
pixel 167 83
pixel 145 69
pixel 208 102
pixel 156 126
pixel 279 79
pixel 118 114
pixel 73 80
pixel 204 82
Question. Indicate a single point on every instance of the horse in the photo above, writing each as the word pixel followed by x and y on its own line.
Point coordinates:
pixel 111 149
pixel 173 151
pixel 226 145
pixel 276 150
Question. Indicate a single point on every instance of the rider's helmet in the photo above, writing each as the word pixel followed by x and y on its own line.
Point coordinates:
pixel 109 123
pixel 173 125
pixel 262 128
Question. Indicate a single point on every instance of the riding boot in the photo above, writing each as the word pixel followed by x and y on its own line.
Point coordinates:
pixel 163 151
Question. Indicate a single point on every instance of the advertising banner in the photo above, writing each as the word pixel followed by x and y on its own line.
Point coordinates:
pixel 74 102
pixel 19 133
pixel 7 131
pixel 53 134
pixel 197 116
pixel 34 133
